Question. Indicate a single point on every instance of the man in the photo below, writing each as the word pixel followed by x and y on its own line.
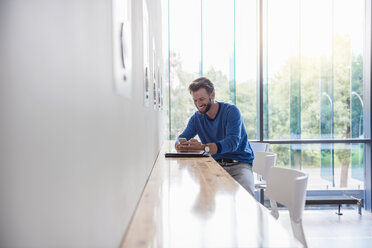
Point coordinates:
pixel 221 130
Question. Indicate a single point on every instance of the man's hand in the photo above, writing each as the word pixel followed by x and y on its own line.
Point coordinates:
pixel 195 145
pixel 191 145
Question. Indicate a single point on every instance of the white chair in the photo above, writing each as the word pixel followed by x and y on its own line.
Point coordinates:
pixel 262 163
pixel 288 187
pixel 259 147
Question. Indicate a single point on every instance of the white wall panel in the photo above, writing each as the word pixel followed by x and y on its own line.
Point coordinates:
pixel 74 156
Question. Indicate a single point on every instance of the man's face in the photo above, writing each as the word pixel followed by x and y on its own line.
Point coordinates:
pixel 202 100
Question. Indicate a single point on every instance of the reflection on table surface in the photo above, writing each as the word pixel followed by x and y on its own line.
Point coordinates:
pixel 193 202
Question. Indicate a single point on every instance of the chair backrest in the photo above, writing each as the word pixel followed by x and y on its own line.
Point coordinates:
pixel 288 187
pixel 259 147
pixel 262 163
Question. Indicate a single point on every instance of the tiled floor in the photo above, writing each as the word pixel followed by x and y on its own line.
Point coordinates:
pixel 324 228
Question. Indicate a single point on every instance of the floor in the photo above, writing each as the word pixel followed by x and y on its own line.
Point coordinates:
pixel 324 228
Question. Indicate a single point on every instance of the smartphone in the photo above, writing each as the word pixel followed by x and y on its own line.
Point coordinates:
pixel 182 140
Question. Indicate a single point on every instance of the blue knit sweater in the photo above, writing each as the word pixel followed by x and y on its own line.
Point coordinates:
pixel 226 130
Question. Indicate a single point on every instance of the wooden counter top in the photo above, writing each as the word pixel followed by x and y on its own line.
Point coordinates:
pixel 194 202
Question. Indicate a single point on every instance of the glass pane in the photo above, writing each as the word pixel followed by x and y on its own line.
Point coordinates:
pixel 281 78
pixel 218 47
pixel 246 64
pixel 313 79
pixel 356 31
pixel 348 68
pixel 357 168
pixel 185 50
pixel 346 171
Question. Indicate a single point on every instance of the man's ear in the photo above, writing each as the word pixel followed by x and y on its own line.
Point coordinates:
pixel 213 96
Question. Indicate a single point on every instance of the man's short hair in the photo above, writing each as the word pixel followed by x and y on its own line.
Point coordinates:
pixel 201 82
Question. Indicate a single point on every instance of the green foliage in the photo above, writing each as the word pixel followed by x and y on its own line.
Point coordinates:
pixel 182 106
pixel 297 107
pixel 221 84
pixel 342 87
pixel 246 100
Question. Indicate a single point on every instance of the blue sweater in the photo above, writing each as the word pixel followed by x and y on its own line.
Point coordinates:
pixel 226 130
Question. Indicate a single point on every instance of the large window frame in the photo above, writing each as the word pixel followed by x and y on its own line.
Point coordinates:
pixel 367 192
pixel 367 97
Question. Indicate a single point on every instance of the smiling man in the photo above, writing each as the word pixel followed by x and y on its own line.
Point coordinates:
pixel 221 130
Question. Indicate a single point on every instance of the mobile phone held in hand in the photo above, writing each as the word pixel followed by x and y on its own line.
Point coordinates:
pixel 182 140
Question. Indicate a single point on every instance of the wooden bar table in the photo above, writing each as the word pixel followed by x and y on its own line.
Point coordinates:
pixel 194 202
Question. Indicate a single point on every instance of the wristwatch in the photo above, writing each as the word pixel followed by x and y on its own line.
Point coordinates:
pixel 206 148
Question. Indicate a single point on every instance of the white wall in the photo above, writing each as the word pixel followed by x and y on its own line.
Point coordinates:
pixel 74 156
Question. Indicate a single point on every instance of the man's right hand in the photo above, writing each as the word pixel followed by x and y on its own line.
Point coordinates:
pixel 191 145
pixel 195 145
pixel 179 147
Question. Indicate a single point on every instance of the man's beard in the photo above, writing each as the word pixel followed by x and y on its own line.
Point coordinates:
pixel 207 108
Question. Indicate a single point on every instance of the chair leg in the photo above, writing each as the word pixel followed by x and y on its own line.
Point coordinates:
pixel 339 210
pixel 359 208
pixel 262 196
pixel 298 232
pixel 274 209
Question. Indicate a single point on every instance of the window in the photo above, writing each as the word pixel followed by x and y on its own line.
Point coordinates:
pixel 311 74
pixel 314 75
